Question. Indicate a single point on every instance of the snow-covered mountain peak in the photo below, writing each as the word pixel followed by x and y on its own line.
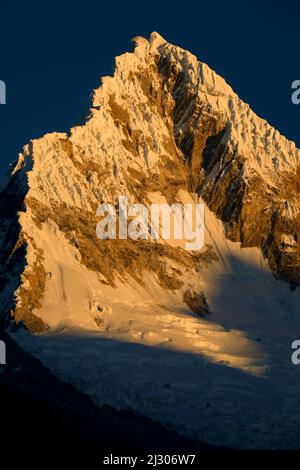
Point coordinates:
pixel 163 127
pixel 197 332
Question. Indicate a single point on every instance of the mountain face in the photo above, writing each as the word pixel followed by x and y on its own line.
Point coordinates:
pixel 164 129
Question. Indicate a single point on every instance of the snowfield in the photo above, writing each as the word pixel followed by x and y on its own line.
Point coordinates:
pixel 226 379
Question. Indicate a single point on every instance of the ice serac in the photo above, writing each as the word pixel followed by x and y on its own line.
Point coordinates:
pixel 163 128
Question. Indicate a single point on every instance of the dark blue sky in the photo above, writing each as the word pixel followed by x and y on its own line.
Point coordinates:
pixel 54 53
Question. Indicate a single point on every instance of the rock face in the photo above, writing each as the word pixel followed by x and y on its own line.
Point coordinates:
pixel 164 127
